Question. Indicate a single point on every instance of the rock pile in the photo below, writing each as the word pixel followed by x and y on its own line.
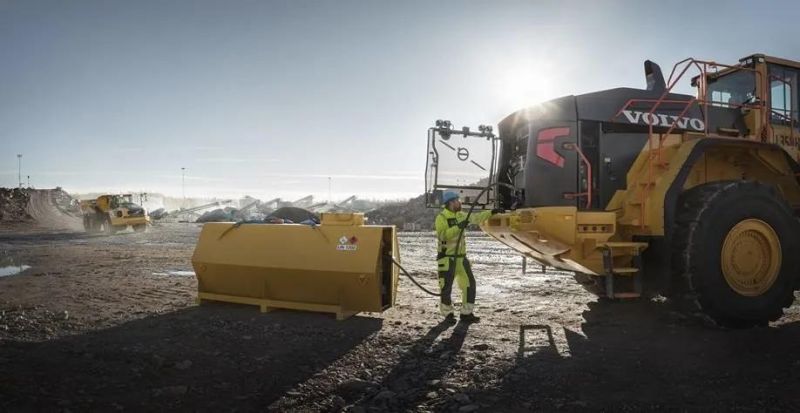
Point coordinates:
pixel 411 215
pixel 14 205
pixel 218 215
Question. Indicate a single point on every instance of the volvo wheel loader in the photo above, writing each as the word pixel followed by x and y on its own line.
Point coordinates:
pixel 648 191
pixel 112 213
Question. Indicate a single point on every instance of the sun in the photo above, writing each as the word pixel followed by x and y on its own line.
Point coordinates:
pixel 525 83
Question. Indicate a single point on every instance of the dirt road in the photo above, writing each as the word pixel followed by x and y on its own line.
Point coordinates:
pixel 110 323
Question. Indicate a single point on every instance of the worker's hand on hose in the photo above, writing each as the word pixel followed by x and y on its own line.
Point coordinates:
pixel 498 211
pixel 463 224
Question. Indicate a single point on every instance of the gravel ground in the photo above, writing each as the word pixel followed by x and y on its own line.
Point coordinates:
pixel 107 323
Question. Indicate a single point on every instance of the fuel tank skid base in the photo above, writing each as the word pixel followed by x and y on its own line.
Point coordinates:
pixel 270 305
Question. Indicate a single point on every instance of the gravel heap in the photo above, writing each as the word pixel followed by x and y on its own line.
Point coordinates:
pixel 14 205
pixel 405 215
pixel 218 215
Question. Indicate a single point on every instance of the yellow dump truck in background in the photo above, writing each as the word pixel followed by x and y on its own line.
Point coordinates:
pixel 112 213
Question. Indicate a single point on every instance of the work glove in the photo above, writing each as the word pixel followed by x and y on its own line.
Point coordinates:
pixel 463 224
pixel 498 211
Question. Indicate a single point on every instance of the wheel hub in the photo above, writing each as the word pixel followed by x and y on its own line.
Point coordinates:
pixel 751 257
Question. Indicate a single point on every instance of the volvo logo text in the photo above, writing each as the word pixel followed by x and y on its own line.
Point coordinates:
pixel 660 119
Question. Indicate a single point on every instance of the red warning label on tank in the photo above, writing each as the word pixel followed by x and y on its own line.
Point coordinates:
pixel 347 244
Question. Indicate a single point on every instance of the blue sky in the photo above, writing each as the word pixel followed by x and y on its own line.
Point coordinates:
pixel 271 98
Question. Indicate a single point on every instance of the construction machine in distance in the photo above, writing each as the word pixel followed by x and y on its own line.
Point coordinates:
pixel 648 191
pixel 112 213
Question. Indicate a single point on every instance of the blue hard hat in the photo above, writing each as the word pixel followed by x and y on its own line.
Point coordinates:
pixel 449 196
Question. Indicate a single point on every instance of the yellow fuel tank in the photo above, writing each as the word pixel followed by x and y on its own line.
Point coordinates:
pixel 340 266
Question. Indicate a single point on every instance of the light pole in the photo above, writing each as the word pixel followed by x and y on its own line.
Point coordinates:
pixel 19 169
pixel 183 186
pixel 330 200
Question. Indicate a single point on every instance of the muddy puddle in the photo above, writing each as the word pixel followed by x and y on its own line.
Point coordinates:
pixel 176 273
pixel 11 266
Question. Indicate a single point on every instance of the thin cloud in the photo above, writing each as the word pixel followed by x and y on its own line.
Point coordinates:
pixel 129 149
pixel 347 176
pixel 235 160
pixel 193 178
pixel 200 148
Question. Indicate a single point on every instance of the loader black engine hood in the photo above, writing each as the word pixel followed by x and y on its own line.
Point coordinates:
pixel 541 138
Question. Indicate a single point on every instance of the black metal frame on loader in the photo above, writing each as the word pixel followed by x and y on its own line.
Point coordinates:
pixel 434 190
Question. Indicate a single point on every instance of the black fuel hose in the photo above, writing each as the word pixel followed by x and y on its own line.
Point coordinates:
pixel 403 270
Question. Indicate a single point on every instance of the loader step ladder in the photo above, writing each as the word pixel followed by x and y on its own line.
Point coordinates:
pixel 633 250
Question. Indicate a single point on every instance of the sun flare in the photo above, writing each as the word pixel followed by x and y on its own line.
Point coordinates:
pixel 526 83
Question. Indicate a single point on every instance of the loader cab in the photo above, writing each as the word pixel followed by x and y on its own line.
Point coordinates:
pixel 732 99
pixel 731 90
pixel 783 94
pixel 777 84
pixel 757 99
pixel 780 90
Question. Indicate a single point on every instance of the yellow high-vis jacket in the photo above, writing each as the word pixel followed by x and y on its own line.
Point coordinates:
pixel 447 231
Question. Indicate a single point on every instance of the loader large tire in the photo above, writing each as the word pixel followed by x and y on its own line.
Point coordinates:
pixel 735 252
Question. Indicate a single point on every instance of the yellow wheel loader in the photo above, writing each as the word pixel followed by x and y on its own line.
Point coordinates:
pixel 648 191
pixel 112 213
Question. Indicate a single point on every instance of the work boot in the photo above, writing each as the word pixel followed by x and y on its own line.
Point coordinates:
pixel 470 318
pixel 450 319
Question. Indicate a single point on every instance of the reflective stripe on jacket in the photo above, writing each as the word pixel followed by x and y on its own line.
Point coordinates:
pixel 447 231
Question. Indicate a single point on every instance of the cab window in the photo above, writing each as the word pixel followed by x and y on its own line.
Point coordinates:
pixel 783 94
pixel 732 89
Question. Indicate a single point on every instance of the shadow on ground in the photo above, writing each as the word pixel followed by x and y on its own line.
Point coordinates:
pixel 214 357
pixel 641 356
pixel 49 236
pixel 428 360
pixel 625 357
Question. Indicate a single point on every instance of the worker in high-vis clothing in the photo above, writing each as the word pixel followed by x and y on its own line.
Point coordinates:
pixel 452 259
